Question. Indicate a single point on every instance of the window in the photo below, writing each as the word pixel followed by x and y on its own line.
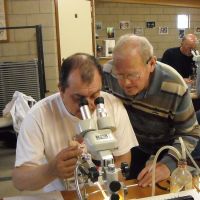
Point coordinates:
pixel 183 21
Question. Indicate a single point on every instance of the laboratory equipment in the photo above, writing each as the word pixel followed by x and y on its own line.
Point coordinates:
pixel 196 59
pixel 100 142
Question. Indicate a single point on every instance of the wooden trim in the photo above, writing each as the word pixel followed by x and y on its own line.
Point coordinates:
pixel 6 22
pixel 93 27
pixel 183 3
pixel 57 34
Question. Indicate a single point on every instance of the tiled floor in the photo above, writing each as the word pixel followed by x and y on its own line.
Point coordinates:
pixel 7 159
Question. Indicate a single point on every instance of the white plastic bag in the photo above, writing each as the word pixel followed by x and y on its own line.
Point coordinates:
pixel 18 107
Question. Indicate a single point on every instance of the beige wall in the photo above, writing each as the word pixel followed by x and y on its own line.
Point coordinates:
pixel 21 45
pixel 110 14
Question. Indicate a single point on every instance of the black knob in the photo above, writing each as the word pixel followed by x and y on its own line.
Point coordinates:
pixel 114 196
pixel 125 169
pixel 99 100
pixel 115 186
pixel 93 174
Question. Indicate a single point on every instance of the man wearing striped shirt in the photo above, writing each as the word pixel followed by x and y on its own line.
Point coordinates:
pixel 158 102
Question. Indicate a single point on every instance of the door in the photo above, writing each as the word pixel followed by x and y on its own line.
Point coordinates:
pixel 75 28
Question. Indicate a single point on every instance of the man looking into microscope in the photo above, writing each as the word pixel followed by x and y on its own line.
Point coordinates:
pixel 180 58
pixel 44 157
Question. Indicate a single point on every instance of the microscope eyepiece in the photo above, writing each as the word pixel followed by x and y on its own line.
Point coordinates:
pixel 101 111
pixel 84 108
pixel 83 102
pixel 99 100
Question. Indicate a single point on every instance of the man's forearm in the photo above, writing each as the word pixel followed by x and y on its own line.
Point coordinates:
pixel 32 177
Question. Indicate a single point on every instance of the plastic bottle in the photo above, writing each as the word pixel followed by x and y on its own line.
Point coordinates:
pixel 196 180
pixel 181 178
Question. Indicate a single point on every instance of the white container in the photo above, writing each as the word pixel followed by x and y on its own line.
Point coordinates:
pixel 108 47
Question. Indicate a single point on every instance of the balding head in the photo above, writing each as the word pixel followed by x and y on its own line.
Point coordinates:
pixel 188 43
pixel 190 37
pixel 129 45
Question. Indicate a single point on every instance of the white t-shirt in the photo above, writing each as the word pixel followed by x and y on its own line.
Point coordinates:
pixel 49 127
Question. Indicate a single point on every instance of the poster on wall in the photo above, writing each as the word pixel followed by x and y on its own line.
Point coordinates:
pixel 110 32
pixel 150 24
pixel 163 30
pixel 197 30
pixel 3 32
pixel 181 33
pixel 138 31
pixel 123 25
pixel 98 25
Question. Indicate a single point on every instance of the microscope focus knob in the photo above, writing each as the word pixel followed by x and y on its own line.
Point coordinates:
pixel 115 186
pixel 114 196
pixel 125 169
pixel 93 174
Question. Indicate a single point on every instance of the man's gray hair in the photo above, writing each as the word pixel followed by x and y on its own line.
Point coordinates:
pixel 129 43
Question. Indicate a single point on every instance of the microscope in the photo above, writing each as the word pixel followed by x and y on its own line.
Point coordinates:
pixel 196 59
pixel 100 142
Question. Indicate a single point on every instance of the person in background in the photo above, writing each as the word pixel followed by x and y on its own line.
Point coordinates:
pixel 158 103
pixel 180 58
pixel 44 157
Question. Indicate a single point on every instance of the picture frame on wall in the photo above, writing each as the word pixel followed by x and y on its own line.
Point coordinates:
pixel 150 24
pixel 163 30
pixel 98 25
pixel 3 32
pixel 181 33
pixel 138 31
pixel 110 32
pixel 197 30
pixel 123 25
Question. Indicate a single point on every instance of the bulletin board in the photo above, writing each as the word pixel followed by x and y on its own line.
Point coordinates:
pixel 3 32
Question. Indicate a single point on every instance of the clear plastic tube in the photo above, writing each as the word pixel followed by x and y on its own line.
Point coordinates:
pixel 155 160
pixel 192 160
pixel 198 79
pixel 78 191
pixel 182 148
pixel 184 152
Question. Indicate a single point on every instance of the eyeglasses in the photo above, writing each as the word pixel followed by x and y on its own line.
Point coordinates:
pixel 132 76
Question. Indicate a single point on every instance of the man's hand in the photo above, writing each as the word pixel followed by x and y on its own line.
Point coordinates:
pixel 145 176
pixel 188 80
pixel 64 163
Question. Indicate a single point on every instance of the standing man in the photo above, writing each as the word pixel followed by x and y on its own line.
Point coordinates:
pixel 180 58
pixel 44 157
pixel 158 103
